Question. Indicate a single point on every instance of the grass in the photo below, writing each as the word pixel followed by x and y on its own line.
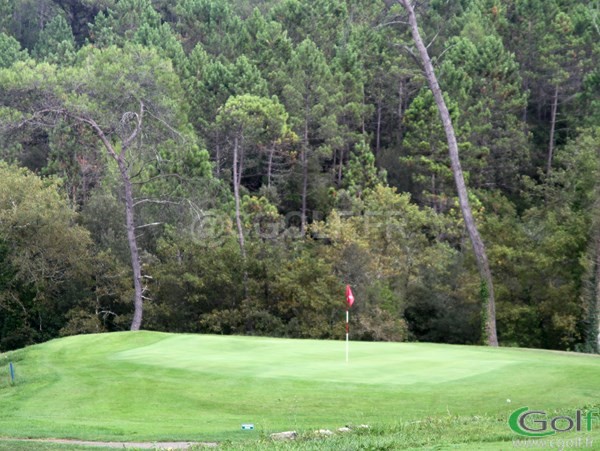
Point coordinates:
pixel 148 386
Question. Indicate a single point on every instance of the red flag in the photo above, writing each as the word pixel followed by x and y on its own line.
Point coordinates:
pixel 349 296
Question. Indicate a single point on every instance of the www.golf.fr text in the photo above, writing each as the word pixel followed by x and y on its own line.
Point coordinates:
pixel 555 443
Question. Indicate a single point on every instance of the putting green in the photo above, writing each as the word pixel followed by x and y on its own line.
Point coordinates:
pixel 377 364
pixel 154 386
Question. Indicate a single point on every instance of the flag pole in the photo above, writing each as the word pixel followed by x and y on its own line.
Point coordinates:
pixel 349 302
pixel 347 333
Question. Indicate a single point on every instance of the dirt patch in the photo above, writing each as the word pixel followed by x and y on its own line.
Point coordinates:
pixel 121 445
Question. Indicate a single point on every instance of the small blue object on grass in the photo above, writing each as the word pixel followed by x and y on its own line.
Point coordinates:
pixel 12 372
pixel 247 427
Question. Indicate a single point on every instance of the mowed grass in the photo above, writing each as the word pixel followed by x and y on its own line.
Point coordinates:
pixel 147 386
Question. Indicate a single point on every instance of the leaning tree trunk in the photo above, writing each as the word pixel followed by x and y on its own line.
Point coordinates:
pixel 487 288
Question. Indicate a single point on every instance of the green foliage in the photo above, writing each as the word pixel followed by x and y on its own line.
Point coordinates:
pixel 323 20
pixel 56 43
pixel 256 119
pixel 426 158
pixel 327 105
pixel 44 258
pixel 538 270
pixel 192 280
pixel 73 157
pixel 211 23
pixel 483 78
pixel 306 296
pixel 306 93
pixel 165 41
pixel 10 51
pixel 386 249
pixel 257 126
pixel 122 22
pixel 268 47
pixel 362 173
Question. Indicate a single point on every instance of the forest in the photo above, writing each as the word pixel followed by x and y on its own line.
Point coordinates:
pixel 228 167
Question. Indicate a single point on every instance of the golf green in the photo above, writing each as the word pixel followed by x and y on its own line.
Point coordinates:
pixel 155 386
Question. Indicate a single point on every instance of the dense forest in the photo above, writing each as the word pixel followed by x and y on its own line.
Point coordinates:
pixel 228 167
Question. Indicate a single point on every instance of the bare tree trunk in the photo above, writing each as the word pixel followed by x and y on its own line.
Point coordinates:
pixel 378 131
pixel 334 155
pixel 119 158
pixel 340 167
pixel 401 101
pixel 218 156
pixel 487 288
pixel 270 167
pixel 236 195
pixel 237 180
pixel 136 324
pixel 363 125
pixel 434 197
pixel 303 220
pixel 526 89
pixel 552 130
pixel 134 121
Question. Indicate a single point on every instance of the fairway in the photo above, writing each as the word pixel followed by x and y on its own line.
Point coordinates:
pixel 154 386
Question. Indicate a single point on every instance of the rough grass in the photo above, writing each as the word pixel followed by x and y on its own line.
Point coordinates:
pixel 159 387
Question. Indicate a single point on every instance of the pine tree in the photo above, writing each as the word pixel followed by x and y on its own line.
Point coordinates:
pixel 307 95
pixel 483 78
pixel 213 24
pixel 361 174
pixel 349 108
pixel 56 43
pixel 121 23
pixel 10 51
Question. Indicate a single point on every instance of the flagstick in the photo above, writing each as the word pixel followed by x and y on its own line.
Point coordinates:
pixel 347 333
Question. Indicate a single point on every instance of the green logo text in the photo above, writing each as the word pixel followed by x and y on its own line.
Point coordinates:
pixel 535 423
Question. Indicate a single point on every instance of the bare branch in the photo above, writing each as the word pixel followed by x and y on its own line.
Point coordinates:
pixel 37 118
pixel 594 16
pixel 166 124
pixel 433 40
pixel 106 313
pixel 138 126
pixel 412 54
pixel 156 201
pixel 158 177
pixel 392 22
pixel 99 132
pixel 152 224
pixel 444 51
